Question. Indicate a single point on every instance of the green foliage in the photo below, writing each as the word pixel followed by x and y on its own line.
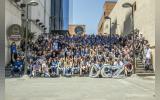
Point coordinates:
pixel 30 35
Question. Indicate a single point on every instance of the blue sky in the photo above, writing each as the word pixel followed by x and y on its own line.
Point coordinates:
pixel 87 12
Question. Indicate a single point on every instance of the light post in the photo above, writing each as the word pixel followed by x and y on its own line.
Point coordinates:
pixel 52 18
pixel 129 5
pixel 110 35
pixel 31 3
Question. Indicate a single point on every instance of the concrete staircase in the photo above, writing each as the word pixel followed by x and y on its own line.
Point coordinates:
pixel 140 70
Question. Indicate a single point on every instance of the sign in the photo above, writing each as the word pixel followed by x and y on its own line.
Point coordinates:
pixel 14 32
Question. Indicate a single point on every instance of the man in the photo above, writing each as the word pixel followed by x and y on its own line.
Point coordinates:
pixel 13 51
pixel 17 67
pixel 75 67
pixel 36 68
pixel 54 67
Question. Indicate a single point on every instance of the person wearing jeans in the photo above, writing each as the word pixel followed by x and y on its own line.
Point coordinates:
pixel 54 67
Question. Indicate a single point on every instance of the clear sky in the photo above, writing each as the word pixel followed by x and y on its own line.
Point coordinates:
pixel 87 12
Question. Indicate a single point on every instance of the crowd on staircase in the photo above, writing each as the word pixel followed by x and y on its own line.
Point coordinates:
pixel 88 55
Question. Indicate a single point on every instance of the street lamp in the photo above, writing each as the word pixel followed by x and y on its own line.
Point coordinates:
pixel 107 17
pixel 129 5
pixel 31 3
pixel 52 25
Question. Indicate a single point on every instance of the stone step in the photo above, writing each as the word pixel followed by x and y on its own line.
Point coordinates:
pixel 143 71
pixel 138 61
pixel 140 64
pixel 140 67
pixel 7 71
pixel 145 74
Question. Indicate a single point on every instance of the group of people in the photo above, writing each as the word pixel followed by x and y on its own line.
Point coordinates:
pixel 90 55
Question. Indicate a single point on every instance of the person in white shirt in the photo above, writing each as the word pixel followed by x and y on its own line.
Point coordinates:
pixel 147 57
pixel 148 52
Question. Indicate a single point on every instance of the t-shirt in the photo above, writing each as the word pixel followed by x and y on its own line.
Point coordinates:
pixel 55 46
pixel 18 64
pixel 13 49
pixel 148 53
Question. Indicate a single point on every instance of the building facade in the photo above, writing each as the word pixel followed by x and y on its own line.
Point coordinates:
pixel 77 30
pixel 40 17
pixel 108 6
pixel 12 16
pixel 15 14
pixel 144 20
pixel 59 15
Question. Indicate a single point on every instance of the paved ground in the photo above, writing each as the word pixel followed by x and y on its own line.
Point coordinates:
pixel 76 88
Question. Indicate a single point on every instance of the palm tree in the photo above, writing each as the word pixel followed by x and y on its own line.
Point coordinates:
pixel 30 36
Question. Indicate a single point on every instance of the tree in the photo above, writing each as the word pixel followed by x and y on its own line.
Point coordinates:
pixel 30 36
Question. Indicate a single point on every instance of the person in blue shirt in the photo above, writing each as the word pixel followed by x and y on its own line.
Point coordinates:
pixel 54 67
pixel 13 49
pixel 17 67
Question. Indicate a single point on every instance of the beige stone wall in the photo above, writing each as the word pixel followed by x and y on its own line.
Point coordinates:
pixel 157 25
pixel 144 17
pixel 12 16
pixel 108 6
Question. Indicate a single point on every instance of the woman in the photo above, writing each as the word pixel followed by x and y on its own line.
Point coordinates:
pixel 128 68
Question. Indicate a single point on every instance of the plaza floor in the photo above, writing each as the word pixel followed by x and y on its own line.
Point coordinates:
pixel 80 88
